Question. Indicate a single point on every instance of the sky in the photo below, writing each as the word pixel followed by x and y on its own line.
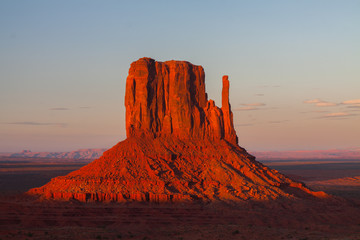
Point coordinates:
pixel 293 66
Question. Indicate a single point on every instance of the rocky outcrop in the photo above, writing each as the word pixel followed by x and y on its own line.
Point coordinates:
pixel 168 99
pixel 180 147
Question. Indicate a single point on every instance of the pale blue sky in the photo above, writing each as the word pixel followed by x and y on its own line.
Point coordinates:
pixel 63 66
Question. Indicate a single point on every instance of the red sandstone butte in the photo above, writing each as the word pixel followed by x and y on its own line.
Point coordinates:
pixel 180 146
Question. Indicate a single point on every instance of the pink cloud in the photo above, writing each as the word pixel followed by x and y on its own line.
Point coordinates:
pixel 338 114
pixel 325 104
pixel 320 103
pixel 313 101
pixel 352 102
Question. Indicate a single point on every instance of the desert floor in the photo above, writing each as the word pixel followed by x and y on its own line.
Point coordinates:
pixel 25 217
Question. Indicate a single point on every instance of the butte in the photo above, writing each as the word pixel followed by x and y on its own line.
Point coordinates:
pixel 180 147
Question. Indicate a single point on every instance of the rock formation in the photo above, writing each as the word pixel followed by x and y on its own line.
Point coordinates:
pixel 168 99
pixel 180 146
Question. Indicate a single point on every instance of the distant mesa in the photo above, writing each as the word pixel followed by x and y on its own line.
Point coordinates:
pixel 180 147
pixel 92 153
pixel 343 154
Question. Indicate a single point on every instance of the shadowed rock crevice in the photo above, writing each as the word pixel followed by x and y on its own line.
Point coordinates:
pixel 180 147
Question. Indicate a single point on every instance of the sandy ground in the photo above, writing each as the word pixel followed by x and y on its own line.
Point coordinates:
pixel 337 177
pixel 24 217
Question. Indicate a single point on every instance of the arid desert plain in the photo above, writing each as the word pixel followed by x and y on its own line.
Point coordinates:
pixel 24 217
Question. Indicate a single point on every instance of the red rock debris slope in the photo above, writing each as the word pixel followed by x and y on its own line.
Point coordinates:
pixel 180 146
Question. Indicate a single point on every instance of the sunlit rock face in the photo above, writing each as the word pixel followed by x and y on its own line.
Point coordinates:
pixel 180 147
pixel 168 99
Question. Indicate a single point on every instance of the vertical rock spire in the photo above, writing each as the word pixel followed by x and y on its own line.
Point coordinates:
pixel 229 131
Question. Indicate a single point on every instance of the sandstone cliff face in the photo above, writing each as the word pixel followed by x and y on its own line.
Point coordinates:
pixel 180 147
pixel 166 99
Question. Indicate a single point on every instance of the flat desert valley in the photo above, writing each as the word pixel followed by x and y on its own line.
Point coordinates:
pixel 27 217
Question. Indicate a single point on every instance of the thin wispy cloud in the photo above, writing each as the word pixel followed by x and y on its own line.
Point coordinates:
pixel 253 104
pixel 245 109
pixel 326 104
pixel 319 103
pixel 313 101
pixel 337 114
pixel 316 111
pixel 38 123
pixel 355 102
pixel 59 109
pixel 250 106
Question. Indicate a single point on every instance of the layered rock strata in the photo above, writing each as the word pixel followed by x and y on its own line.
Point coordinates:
pixel 180 147
pixel 168 99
